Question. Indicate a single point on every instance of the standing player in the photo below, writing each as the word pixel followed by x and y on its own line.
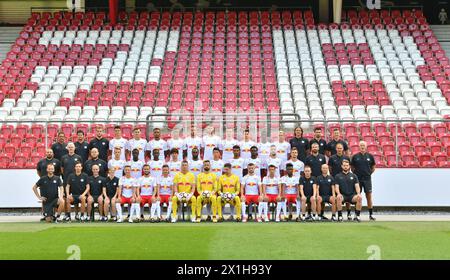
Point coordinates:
pixel 206 188
pixel 118 142
pixel 101 143
pixel 301 143
pixel 335 161
pixel 77 190
pixel 96 183
pixel 216 163
pixel 283 148
pixel 210 142
pixel 156 164
pixel 192 142
pixel 227 145
pixel 136 143
pixel 116 163
pixel 95 160
pixel 147 193
pixel 81 146
pixel 195 164
pixel 51 193
pixel 127 194
pixel 290 190
pixel 271 186
pixel 348 190
pixel 184 188
pixel 315 160
pixel 110 193
pixel 363 165
pixel 164 191
pixel 298 165
pixel 174 163
pixel 255 160
pixel 156 143
pixel 308 192
pixel 264 153
pixel 319 140
pixel 136 165
pixel 246 144
pixel 331 146
pixel 175 142
pixel 251 192
pixel 275 161
pixel 237 163
pixel 326 193
pixel 228 188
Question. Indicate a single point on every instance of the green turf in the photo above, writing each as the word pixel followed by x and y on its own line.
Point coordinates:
pixel 396 240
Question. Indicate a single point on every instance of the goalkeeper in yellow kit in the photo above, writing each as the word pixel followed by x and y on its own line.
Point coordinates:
pixel 206 188
pixel 228 188
pixel 184 188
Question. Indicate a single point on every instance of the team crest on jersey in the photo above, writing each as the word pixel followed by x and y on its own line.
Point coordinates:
pixel 103 143
pixel 85 147
pixel 82 180
pixel 320 159
pixel 368 159
pixel 329 180
pixel 54 181
pixel 311 181
pixel 99 181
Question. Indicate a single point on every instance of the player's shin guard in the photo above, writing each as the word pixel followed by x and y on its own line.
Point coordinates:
pixel 298 206
pixel 119 211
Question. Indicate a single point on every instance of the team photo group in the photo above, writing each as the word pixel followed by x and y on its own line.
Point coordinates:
pixel 281 180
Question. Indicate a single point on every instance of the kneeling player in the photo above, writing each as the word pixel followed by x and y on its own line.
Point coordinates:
pixel 184 188
pixel 348 190
pixel 308 191
pixel 127 194
pixel 164 192
pixel 206 188
pixel 271 187
pixel 147 193
pixel 51 192
pixel 228 192
pixel 251 193
pixel 290 190
pixel 326 193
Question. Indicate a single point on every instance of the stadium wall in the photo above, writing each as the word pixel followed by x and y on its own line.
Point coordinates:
pixel 392 187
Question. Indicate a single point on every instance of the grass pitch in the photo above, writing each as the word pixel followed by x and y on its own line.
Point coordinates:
pixel 395 240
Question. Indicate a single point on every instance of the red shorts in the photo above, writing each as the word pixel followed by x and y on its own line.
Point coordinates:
pixel 164 199
pixel 291 198
pixel 251 199
pixel 272 197
pixel 125 200
pixel 146 199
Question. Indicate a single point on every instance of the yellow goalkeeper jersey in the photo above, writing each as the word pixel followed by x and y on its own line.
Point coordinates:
pixel 228 184
pixel 206 182
pixel 184 182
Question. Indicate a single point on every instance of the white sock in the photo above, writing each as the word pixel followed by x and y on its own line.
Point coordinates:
pixel 266 209
pixel 278 210
pixel 260 208
pixel 208 209
pixel 158 210
pixel 243 210
pixel 119 211
pixel 284 208
pixel 298 208
pixel 169 210
pixel 137 208
pixel 152 210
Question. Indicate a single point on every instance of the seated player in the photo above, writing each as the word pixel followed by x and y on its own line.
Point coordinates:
pixel 308 192
pixel 127 194
pixel 348 190
pixel 206 188
pixel 77 190
pixel 290 189
pixel 147 192
pixel 251 193
pixel 51 193
pixel 96 184
pixel 184 188
pixel 271 187
pixel 110 193
pixel 228 188
pixel 326 193
pixel 164 192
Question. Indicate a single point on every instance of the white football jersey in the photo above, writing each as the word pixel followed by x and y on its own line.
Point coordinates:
pixel 257 162
pixel 282 150
pixel 136 168
pixel 127 185
pixel 137 144
pixel 176 144
pixel 209 143
pixel 237 167
pixel 156 167
pixel 264 152
pixel 118 166
pixel 190 143
pixel 245 148
pixel 217 167
pixel 157 144
pixel 291 184
pixel 298 165
pixel 196 166
pixel 227 149
pixel 174 167
pixel 277 163
pixel 147 185
pixel 251 184
pixel 272 185
pixel 165 185
pixel 121 143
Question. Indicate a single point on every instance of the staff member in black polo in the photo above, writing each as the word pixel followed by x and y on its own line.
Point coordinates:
pixel 97 183
pixel 335 161
pixel 101 143
pixel 315 160
pixel 319 140
pixel 301 143
pixel 363 165
pixel 41 167
pixel 77 190
pixel 308 192
pixel 331 146
pixel 110 193
pixel 68 162
pixel 51 194
pixel 82 146
pixel 326 193
pixel 59 148
pixel 347 190
pixel 95 160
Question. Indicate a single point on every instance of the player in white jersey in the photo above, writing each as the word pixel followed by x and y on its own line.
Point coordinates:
pixel 127 194
pixel 136 164
pixel 156 143
pixel 275 161
pixel 147 192
pixel 192 142
pixel 227 146
pixel 246 144
pixel 290 190
pixel 264 153
pixel 117 163
pixel 174 163
pixel 156 164
pixel 216 163
pixel 251 193
pixel 209 142
pixel 136 143
pixel 196 164
pixel 176 143
pixel 283 148
pixel 254 159
pixel 118 141
pixel 237 163
pixel 298 165
pixel 271 186
pixel 164 192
